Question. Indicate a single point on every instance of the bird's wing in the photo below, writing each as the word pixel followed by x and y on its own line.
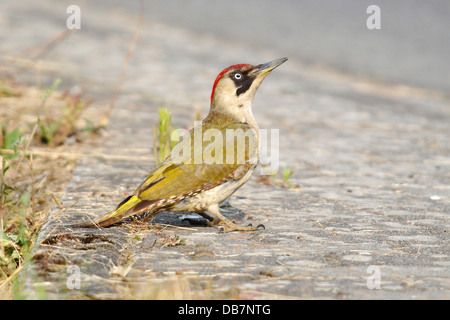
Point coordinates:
pixel 228 154
pixel 175 180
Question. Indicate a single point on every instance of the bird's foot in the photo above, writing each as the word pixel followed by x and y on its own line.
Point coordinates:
pixel 229 226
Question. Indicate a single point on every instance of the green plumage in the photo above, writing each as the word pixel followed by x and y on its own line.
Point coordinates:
pixel 211 162
pixel 173 181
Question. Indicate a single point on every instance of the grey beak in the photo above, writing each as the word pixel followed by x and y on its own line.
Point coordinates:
pixel 267 67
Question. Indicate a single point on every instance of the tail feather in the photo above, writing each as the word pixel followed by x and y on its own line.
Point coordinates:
pixel 123 210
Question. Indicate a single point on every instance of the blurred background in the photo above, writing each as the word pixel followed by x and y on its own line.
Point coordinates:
pixel 412 47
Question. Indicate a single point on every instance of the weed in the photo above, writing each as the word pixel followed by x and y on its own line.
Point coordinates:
pixel 163 143
pixel 7 90
pixel 53 132
pixel 286 173
pixel 274 180
pixel 9 140
pixel 24 202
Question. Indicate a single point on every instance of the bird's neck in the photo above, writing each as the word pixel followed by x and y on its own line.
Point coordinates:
pixel 220 118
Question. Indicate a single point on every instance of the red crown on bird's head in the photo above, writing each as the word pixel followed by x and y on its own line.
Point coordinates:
pixel 220 75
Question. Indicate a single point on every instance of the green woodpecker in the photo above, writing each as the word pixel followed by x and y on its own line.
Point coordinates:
pixel 198 176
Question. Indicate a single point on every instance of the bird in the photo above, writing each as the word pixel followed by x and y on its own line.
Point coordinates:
pixel 197 177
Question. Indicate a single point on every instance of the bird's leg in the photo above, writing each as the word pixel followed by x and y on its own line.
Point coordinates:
pixel 194 220
pixel 211 220
pixel 150 215
pixel 228 225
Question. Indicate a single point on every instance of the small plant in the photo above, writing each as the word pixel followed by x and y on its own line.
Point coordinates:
pixel 7 90
pixel 48 129
pixel 53 132
pixel 163 144
pixel 286 174
pixel 9 141
pixel 15 239
pixel 24 204
pixel 5 189
pixel 273 180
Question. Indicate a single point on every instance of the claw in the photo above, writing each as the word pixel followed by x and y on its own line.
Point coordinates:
pixel 232 227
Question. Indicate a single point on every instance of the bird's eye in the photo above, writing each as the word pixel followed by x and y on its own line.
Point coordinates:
pixel 238 76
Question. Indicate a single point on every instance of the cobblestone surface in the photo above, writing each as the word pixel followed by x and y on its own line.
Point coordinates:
pixel 370 161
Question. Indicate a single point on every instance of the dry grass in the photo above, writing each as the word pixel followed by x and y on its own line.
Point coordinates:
pixel 31 182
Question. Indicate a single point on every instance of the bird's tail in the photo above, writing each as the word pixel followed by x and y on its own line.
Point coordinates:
pixel 123 210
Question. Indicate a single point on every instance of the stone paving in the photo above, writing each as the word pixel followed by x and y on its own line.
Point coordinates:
pixel 366 217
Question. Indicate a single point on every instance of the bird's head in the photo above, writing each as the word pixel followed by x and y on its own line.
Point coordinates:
pixel 235 87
